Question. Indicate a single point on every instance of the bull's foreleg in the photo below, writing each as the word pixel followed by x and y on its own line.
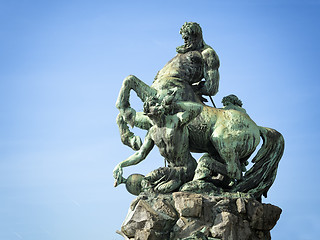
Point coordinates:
pixel 127 137
pixel 128 114
pixel 123 102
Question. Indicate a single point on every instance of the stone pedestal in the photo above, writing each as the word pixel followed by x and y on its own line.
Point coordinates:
pixel 190 216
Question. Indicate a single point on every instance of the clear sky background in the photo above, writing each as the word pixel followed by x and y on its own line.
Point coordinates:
pixel 61 67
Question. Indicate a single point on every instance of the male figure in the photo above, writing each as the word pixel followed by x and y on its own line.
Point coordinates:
pixel 195 60
pixel 170 134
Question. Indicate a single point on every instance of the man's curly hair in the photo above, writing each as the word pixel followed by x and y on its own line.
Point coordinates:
pixel 233 99
pixel 165 105
pixel 194 30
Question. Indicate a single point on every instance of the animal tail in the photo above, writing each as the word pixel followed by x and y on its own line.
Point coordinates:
pixel 259 178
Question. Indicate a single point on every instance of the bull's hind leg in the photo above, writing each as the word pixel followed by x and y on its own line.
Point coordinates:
pixel 207 166
pixel 211 170
pixel 226 150
pixel 233 164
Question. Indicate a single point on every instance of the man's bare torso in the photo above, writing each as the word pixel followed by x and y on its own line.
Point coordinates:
pixel 166 138
pixel 186 67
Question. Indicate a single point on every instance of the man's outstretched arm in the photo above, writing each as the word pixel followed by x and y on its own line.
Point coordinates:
pixel 134 159
pixel 190 110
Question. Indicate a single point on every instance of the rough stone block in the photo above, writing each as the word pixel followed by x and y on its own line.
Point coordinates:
pixel 145 235
pixel 188 204
pixel 265 217
pixel 241 205
pixel 189 216
pixel 225 226
pixel 185 227
pixel 144 217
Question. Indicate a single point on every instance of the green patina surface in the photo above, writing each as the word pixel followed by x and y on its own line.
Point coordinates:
pixel 179 122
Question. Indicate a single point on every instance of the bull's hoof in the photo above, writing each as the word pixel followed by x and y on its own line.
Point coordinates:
pixel 234 172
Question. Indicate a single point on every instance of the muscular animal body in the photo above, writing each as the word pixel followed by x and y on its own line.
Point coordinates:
pixel 228 137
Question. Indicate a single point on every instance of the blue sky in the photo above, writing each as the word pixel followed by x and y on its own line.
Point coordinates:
pixel 61 67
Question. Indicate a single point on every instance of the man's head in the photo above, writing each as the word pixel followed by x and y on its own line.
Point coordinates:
pixel 154 107
pixel 191 33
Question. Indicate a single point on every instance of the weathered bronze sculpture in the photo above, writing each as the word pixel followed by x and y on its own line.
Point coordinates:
pixel 216 197
pixel 178 122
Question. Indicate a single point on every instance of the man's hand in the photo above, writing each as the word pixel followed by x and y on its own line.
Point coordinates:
pixel 117 174
pixel 197 86
pixel 197 89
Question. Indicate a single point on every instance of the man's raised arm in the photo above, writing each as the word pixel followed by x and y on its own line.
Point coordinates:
pixel 190 111
pixel 211 72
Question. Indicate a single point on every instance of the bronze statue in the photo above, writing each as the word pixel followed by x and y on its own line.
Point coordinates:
pixel 178 122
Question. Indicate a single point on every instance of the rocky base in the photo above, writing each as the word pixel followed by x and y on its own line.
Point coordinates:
pixel 191 216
